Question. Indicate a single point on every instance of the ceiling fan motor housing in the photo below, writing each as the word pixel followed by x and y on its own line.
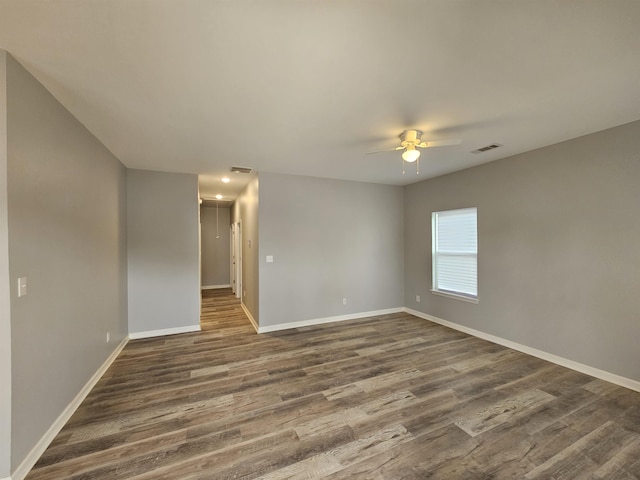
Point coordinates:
pixel 410 138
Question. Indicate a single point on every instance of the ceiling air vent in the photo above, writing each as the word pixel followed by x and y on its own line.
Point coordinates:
pixel 240 170
pixel 487 148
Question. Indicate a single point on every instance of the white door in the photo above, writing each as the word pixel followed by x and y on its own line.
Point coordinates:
pixel 239 261
pixel 233 257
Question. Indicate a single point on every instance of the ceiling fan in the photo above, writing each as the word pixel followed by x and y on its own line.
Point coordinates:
pixel 411 141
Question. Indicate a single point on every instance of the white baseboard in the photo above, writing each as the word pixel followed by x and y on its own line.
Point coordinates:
pixel 213 287
pixel 320 321
pixel 36 452
pixel 550 357
pixel 250 317
pixel 163 332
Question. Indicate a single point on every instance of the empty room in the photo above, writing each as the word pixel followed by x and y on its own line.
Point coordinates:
pixel 287 239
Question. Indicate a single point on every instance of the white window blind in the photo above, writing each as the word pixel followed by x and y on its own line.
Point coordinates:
pixel 455 252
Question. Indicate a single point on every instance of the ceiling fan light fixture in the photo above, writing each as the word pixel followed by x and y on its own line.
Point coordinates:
pixel 410 154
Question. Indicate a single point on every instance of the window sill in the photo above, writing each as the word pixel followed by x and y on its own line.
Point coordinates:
pixel 455 296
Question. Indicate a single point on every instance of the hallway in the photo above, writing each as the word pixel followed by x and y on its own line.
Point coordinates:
pixel 221 309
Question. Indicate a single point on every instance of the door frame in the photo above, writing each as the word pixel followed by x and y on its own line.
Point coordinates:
pixel 232 256
pixel 238 249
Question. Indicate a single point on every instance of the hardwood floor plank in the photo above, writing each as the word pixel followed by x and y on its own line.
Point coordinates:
pixel 620 462
pixel 413 459
pixel 503 411
pixel 244 459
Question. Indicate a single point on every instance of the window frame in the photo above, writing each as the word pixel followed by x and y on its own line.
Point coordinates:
pixel 435 289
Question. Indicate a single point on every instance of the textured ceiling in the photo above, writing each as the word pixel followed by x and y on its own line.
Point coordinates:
pixel 308 87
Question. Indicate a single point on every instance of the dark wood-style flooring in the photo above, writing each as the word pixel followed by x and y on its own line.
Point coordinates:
pixel 387 397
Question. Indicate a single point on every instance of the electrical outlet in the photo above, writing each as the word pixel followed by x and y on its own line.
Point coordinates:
pixel 344 301
pixel 418 298
pixel 108 337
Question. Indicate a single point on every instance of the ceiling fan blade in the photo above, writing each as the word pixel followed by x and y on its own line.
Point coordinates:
pixel 440 143
pixel 387 150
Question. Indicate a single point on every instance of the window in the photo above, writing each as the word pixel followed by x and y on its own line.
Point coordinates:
pixel 455 252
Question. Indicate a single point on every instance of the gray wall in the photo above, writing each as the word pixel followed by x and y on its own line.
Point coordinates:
pixel 330 239
pixel 5 312
pixel 558 239
pixel 163 250
pixel 67 235
pixel 215 252
pixel 245 210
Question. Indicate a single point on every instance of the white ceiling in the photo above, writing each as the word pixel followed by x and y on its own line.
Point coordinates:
pixel 308 87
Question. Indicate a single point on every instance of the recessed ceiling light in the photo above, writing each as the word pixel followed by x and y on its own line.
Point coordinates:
pixel 219 197
pixel 225 179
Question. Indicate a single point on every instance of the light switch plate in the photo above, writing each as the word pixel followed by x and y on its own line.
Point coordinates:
pixel 269 258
